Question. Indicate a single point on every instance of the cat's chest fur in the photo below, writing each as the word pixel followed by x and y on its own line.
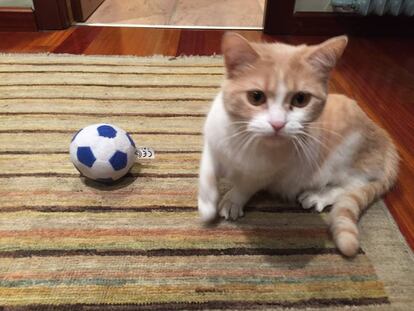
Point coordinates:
pixel 279 170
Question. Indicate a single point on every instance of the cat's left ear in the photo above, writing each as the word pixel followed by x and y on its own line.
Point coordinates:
pixel 238 53
pixel 324 56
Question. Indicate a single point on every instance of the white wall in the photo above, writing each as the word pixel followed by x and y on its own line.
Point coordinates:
pixel 17 3
pixel 313 6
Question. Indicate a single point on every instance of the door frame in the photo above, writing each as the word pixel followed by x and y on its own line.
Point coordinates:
pixel 53 14
pixel 82 9
pixel 281 19
pixel 46 15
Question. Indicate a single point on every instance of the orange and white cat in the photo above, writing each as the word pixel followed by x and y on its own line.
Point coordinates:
pixel 274 127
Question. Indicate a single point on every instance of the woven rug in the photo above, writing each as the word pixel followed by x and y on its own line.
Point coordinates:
pixel 70 244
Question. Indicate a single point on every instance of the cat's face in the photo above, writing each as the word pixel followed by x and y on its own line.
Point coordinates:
pixel 277 90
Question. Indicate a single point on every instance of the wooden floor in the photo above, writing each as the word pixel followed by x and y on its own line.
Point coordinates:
pixel 377 72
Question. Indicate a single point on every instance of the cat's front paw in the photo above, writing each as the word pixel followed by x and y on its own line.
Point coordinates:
pixel 230 210
pixel 207 210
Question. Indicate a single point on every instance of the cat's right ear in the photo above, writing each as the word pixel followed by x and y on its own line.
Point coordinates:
pixel 325 55
pixel 238 53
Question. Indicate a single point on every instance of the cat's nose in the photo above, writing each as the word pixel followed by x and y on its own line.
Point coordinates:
pixel 277 125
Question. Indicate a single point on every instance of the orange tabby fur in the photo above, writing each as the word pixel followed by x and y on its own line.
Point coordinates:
pixel 377 157
pixel 329 123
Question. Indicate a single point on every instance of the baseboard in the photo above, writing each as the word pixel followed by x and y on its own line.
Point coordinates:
pixel 17 19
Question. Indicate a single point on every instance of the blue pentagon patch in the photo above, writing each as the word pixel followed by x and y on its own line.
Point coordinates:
pixel 85 156
pixel 119 160
pixel 106 131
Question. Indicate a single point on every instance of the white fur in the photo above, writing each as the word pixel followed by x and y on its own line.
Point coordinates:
pixel 336 167
pixel 252 164
pixel 281 91
pixel 208 193
pixel 260 124
pixel 321 198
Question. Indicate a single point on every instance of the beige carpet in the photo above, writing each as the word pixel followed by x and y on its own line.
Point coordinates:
pixel 71 244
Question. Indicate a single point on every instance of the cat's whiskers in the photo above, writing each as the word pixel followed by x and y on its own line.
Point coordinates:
pixel 297 148
pixel 239 136
pixel 233 136
pixel 238 125
pixel 317 140
pixel 309 152
pixel 302 150
pixel 301 156
pixel 311 125
pixel 246 144
pixel 238 122
pixel 242 142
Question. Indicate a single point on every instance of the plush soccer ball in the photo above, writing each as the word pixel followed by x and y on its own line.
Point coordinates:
pixel 102 152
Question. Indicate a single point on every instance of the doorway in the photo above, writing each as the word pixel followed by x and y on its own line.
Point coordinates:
pixel 215 14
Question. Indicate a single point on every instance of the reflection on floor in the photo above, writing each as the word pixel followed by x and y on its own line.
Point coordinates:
pixel 221 13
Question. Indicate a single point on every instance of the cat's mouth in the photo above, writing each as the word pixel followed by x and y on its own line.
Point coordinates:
pixel 275 136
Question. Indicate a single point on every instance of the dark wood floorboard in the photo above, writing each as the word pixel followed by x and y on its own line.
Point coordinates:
pixel 78 40
pixel 377 72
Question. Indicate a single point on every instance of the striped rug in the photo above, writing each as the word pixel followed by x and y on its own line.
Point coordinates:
pixel 70 244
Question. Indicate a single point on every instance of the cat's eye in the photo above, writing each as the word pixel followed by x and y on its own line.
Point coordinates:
pixel 300 99
pixel 256 97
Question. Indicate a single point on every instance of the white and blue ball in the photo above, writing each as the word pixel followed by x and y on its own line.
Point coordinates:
pixel 102 152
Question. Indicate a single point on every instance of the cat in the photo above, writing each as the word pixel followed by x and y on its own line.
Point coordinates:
pixel 274 127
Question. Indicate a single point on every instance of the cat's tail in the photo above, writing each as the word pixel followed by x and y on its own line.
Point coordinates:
pixel 347 210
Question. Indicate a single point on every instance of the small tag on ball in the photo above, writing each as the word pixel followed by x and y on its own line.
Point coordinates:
pixel 145 153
